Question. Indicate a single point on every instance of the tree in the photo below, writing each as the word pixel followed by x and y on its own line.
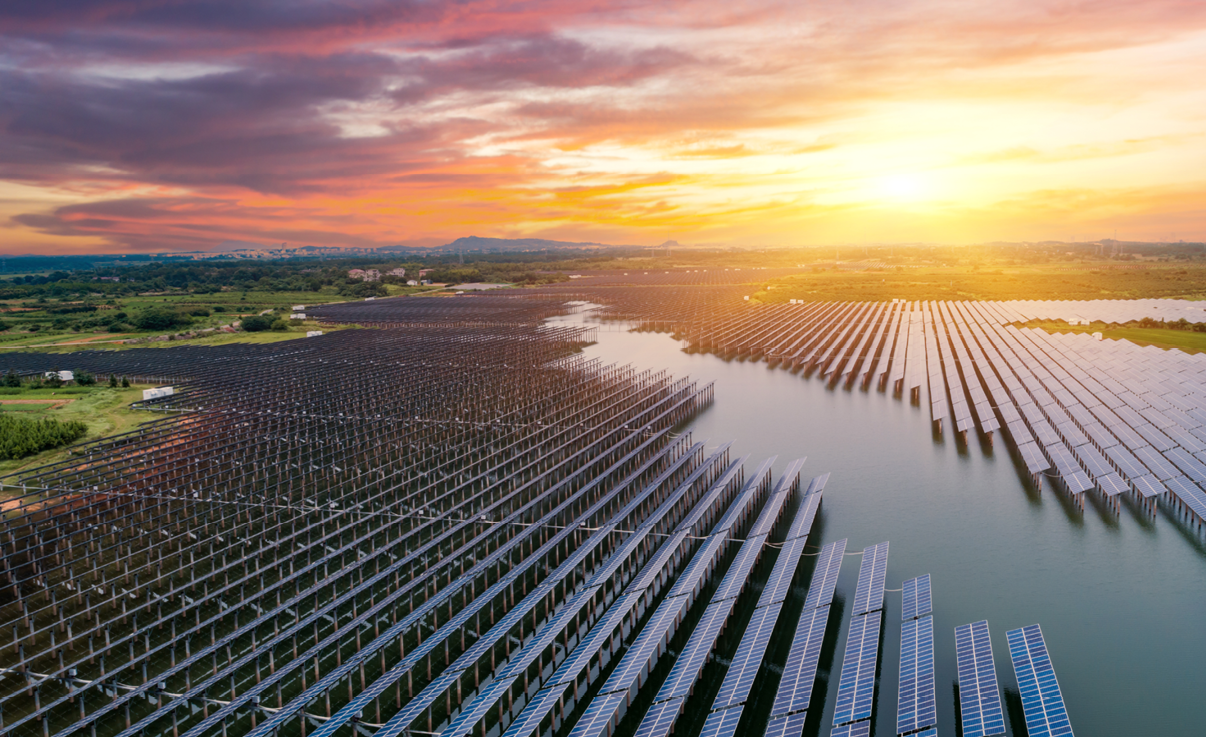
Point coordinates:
pixel 11 379
pixel 112 381
pixel 256 323
pixel 125 382
pixel 84 378
pixel 159 318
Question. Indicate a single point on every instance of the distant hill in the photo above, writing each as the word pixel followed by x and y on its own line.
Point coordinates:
pixel 478 244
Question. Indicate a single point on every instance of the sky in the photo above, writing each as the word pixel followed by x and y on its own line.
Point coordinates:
pixel 176 125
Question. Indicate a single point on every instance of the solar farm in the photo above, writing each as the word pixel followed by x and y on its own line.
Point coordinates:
pixel 453 523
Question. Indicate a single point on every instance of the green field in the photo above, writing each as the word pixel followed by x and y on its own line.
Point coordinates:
pixel 1167 339
pixel 1086 281
pixel 105 411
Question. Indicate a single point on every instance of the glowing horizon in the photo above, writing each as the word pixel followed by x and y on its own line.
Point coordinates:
pixel 159 126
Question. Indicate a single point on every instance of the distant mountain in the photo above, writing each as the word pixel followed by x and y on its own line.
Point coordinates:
pixel 475 243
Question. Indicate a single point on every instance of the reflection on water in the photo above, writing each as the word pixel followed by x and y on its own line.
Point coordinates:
pixel 1122 601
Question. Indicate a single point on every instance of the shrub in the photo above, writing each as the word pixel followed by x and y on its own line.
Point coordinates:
pixel 256 323
pixel 199 312
pixel 219 308
pixel 116 327
pixel 4 326
pixel 11 379
pixel 112 381
pixel 20 437
pixel 159 318
pixel 280 326
pixel 125 382
pixel 83 378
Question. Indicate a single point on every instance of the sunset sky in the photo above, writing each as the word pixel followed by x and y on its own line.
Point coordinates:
pixel 157 125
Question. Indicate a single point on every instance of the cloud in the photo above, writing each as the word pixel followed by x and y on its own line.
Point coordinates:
pixel 184 122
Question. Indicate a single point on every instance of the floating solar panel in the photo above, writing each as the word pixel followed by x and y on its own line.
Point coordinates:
pixel 979 697
pixel 788 726
pixel 917 601
pixel 660 718
pixel 856 689
pixel 824 578
pixel 722 723
pixel 739 678
pixel 800 670
pixel 869 595
pixel 916 706
pixel 856 729
pixel 1033 457
pixel 931 732
pixel 1042 701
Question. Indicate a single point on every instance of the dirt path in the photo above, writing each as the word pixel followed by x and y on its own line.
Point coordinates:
pixel 56 402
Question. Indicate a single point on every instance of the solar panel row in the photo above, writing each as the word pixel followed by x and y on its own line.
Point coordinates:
pixel 979 697
pixel 1042 702
pixel 856 688
pixel 916 705
pixel 685 672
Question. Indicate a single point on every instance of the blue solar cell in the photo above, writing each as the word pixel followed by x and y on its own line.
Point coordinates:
pixel 694 656
pixel 800 670
pixel 856 689
pixel 916 706
pixel 788 726
pixel 824 578
pixel 659 720
pixel 722 723
pixel 869 594
pixel 1042 701
pixel 857 729
pixel 917 601
pixel 739 678
pixel 979 697
pixel 599 718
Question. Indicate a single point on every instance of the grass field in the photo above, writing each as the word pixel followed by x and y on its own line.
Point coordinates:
pixel 105 411
pixel 234 306
pixel 1186 281
pixel 1185 340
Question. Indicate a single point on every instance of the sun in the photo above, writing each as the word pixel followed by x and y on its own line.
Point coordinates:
pixel 903 187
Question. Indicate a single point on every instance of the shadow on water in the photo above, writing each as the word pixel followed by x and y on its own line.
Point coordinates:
pixel 1017 714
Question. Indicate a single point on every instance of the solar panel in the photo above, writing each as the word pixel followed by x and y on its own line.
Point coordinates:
pixel 686 669
pixel 916 706
pixel 599 718
pixel 979 697
pixel 722 723
pixel 788 726
pixel 857 729
pixel 659 720
pixel 824 578
pixel 869 595
pixel 800 670
pixel 931 732
pixel 916 598
pixel 856 689
pixel 1042 702
pixel 739 678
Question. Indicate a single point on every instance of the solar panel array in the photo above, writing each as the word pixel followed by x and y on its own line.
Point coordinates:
pixel 799 672
pixel 856 687
pixel 1042 702
pixel 668 703
pixel 979 697
pixel 755 639
pixel 1062 399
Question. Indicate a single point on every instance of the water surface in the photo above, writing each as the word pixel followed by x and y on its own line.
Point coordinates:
pixel 1121 600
